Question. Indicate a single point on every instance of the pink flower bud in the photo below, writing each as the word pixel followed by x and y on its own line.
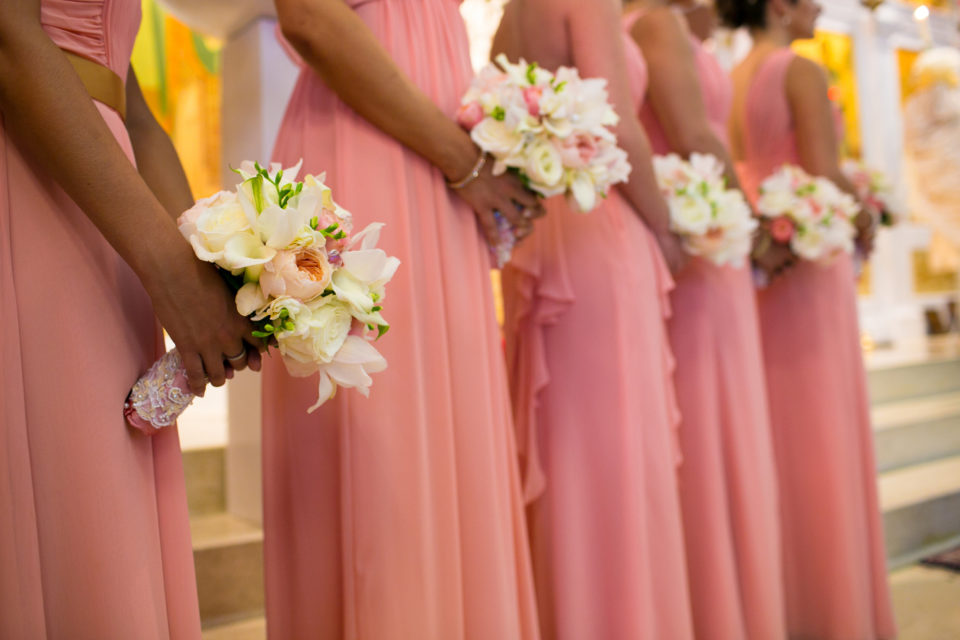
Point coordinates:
pixel 470 115
pixel 781 229
pixel 532 95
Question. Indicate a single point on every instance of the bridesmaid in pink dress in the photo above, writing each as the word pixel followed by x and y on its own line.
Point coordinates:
pixel 727 478
pixel 590 368
pixel 398 515
pixel 94 533
pixel 835 571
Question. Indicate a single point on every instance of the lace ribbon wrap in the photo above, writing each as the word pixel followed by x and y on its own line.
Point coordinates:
pixel 160 396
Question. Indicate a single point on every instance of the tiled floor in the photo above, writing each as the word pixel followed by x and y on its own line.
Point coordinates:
pixel 927 604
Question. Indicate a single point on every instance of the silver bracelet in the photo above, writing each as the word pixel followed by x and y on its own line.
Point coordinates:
pixel 473 175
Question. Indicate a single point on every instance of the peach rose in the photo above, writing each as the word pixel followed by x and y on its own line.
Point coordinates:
pixel 303 274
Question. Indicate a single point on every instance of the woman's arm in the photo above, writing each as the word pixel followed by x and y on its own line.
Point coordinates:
pixel 157 160
pixel 674 91
pixel 341 49
pixel 597 46
pixel 816 135
pixel 47 112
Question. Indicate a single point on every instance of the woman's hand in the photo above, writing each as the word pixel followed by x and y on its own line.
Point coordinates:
pixel 866 225
pixel 506 194
pixel 673 252
pixel 197 309
pixel 773 258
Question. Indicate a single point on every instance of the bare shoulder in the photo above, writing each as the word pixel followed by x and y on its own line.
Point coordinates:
pixel 659 23
pixel 805 76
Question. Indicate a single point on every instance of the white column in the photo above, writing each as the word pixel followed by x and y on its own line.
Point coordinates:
pixel 257 80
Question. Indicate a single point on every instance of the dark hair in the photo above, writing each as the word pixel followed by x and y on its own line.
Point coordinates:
pixel 751 14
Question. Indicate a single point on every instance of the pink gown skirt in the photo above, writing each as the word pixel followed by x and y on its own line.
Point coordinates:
pixel 590 370
pixel 835 570
pixel 399 516
pixel 94 532
pixel 727 479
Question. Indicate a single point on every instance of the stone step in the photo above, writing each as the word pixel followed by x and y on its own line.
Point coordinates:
pixel 228 553
pixel 921 509
pixel 205 473
pixel 913 380
pixel 917 430
pixel 252 629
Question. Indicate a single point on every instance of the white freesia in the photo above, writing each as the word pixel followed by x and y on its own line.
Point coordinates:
pixel 583 191
pixel 245 250
pixel 365 273
pixel 350 368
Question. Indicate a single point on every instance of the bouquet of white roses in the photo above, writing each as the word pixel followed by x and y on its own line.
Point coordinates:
pixel 874 189
pixel 714 222
pixel 552 129
pixel 308 282
pixel 810 215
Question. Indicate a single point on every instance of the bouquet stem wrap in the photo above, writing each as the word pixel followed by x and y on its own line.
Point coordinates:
pixel 160 396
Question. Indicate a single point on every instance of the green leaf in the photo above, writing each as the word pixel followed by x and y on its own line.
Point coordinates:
pixel 560 86
pixel 256 185
pixel 260 334
pixel 376 309
pixel 532 73
pixel 381 330
pixel 314 221
pixel 498 113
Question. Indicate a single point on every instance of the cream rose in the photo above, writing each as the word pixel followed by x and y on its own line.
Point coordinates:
pixel 496 137
pixel 544 165
pixel 211 223
pixel 690 214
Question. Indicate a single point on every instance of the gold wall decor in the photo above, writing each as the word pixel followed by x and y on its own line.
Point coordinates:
pixel 179 73
pixel 925 281
pixel 834 52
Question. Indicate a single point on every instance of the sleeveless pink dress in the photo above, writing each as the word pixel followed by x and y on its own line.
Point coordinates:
pixel 727 479
pixel 590 374
pixel 399 515
pixel 835 571
pixel 94 532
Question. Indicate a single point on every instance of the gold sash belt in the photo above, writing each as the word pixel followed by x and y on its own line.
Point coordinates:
pixel 101 83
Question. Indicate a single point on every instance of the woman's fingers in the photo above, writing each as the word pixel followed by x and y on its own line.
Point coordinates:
pixel 254 360
pixel 488 224
pixel 213 365
pixel 193 365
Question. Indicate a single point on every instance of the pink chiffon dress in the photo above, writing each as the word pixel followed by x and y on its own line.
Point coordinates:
pixel 728 479
pixel 94 532
pixel 399 516
pixel 835 570
pixel 590 374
